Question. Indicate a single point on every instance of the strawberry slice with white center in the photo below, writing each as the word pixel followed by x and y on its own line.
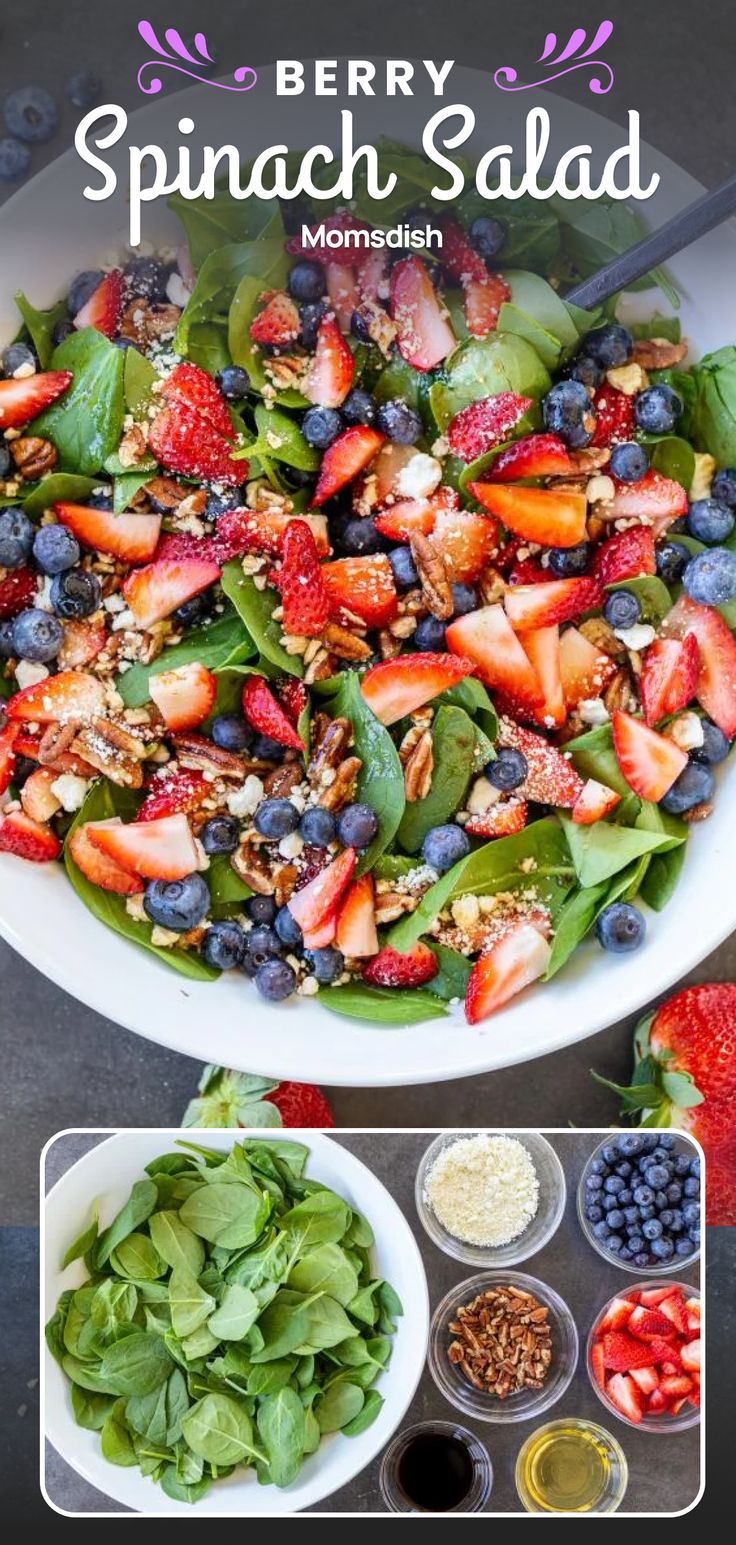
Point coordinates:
pixel 669 676
pixel 673 1308
pixel 690 1355
pixel 262 531
pixel 342 292
pixel 8 737
pixel 102 310
pixel 533 456
pixel 305 600
pixel 649 762
pixel 24 398
pixel 499 820
pixel 646 1379
pixel 519 957
pixel 551 778
pixel 156 591
pixel 318 901
pixel 98 867
pixel 558 600
pixel 157 850
pixel 584 670
pixel 70 695
pixel 542 648
pixel 391 968
pixel 36 796
pixel 485 423
pixel 356 933
pixel 81 644
pixel 184 695
pixel 27 838
pixel 623 1393
pixel 278 323
pixel 385 473
pixel 617 1315
pixel 398 687
pixel 655 500
pixel 372 277
pixel 364 587
pixel 194 386
pixel 330 375
pixel 182 790
pixel 487 638
pixel 460 260
pixel 348 455
pixel 549 516
pixel 625 555
pixel 468 541
pixel 649 1324
pixel 482 302
pixel 404 520
pixel 594 802
pixel 132 537
pixel 424 336
pixel 716 687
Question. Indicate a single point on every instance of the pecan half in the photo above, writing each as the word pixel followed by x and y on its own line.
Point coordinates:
pixel 285 877
pixel 698 812
pixel 144 323
pixel 433 576
pixel 391 905
pixel 132 447
pixel 340 788
pixel 252 869
pixel 198 752
pixel 33 456
pixel 346 645
pixel 330 750
pixel 658 353
pixel 165 493
pixel 418 769
pixel 491 585
pixel 282 780
pixel 112 750
pixel 601 636
pixel 590 459
pixel 619 693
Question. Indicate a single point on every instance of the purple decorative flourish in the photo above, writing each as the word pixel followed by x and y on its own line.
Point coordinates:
pixel 506 77
pixel 245 77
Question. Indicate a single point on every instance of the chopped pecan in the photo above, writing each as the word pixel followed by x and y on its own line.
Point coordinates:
pixel 699 812
pixel 402 627
pixel 418 768
pixel 279 783
pixel 379 325
pixel 196 751
pixel 619 694
pixel 33 456
pixel 112 750
pixel 389 645
pixel 251 867
pixel 330 750
pixel 321 722
pixel 590 459
pixel 391 905
pixel 132 447
pixel 433 576
pixel 599 633
pixel 165 493
pixel 285 877
pixel 285 370
pixel 658 353
pixel 340 789
pixel 491 585
pixel 346 645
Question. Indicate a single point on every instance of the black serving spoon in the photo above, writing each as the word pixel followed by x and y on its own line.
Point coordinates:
pixel 679 232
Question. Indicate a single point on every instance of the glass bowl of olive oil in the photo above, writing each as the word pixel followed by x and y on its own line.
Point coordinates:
pixel 571 1466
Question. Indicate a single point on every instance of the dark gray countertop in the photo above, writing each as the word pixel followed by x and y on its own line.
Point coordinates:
pixel 583 1279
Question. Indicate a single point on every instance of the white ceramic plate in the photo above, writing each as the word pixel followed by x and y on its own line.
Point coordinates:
pixel 48 232
pixel 107 1173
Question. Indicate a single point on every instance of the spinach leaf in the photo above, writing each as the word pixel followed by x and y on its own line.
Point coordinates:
pixel 85 424
pixel 595 232
pixel 452 978
pixel 281 1428
pixel 232 1216
pixel 216 222
pixel 283 1326
pixel 321 1218
pixel 255 608
pixel 138 1258
pixel 202 331
pixel 246 302
pixel 190 1304
pixel 581 911
pixel 603 849
pixel 341 1403
pixel 61 486
pixel 381 777
pixel 675 458
pixel 714 412
pixel 453 749
pixel 484 366
pixel 281 439
pixel 219 1429
pixel 158 1415
pixel 380 1005
pixel 176 1244
pixel 216 645
pixel 116 1442
pixel 139 376
pixel 90 1409
pixel 126 485
pixel 663 873
pixel 236 1313
pixel 136 1365
pixel 365 1418
pixel 325 1269
pixel 594 757
pixel 40 325
pixel 139 1206
pixel 84 1241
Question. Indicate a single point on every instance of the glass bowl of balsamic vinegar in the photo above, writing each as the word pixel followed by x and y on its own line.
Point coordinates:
pixel 436 1467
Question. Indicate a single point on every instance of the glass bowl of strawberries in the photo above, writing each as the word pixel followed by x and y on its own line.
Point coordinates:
pixel 643 1356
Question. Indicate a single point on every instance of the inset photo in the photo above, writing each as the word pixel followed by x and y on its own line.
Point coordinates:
pixel 261 1323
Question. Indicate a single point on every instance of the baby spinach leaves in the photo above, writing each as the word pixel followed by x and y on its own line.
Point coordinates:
pixel 356 1000
pixel 64 486
pixel 40 325
pixel 453 749
pixel 255 608
pixel 481 367
pixel 603 849
pixel 381 777
pixel 85 424
pixel 217 645
pixel 282 1430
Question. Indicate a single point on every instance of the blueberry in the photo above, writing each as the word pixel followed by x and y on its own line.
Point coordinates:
pixel 598 1166
pixel 223 945
pixel 672 559
pixel 636 1244
pixel 487 235
pixel 694 1235
pixel 177 904
pixel 567 562
pixel 16 538
pixel 430 635
pixel 723 487
pixel 625 1252
pixel 621 609
pixel 674 1192
pixel 359 537
pixel 691 1213
pixel 593 1213
pixel 82 287
pixel 623 1169
pixel 276 818
pixel 710 522
pixel 83 90
pixel 464 600
pixel 403 567
pixel 657 409
pixel 356 825
pixel 260 909
pixel 231 732
pixel 219 835
pixel 646 1212
pixel 609 346
pixel 662 1249
pixel 652 1229
pixel 37 635
pixel 614 1243
pixel 613 1184
pixel 643 1196
pixel 683 1247
pixel 691 1186
pixel 288 929
pixel 682 1165
pixel 611 1152
pixel 263 943
pixel 326 964
pixel 601 1230
pixel 6 641
pixel 264 749
pixel 320 426
pixel 629 461
pixel 275 979
pixel 306 281
pixel 16 357
pixel 192 613
pixel 100 497
pixel 630 1144
pixel 234 382
pixel 568 413
pixel 218 504
pixel 695 1167
pixel 586 370
pixel 657 1176
pixel 359 407
pixel 147 278
pixel 616 1219
pixel 677 1222
pixel 508 771
pixel 642 1259
pixel 310 317
pixel 631 1215
pixel 620 927
pixel 31 114
pixel 715 746
pixel 695 785
pixel 593 1182
pixel 15 160
pixel 659 1154
pixel 317 827
pixel 399 422
pixel 625 1197
pixel 74 594
pixel 666 1216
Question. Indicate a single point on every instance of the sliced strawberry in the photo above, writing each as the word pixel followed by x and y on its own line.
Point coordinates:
pixel 181 546
pixel 625 555
pixel 278 323
pixel 485 423
pixel 398 687
pixel 266 715
pixel 17 591
pixel 669 676
pixel 69 695
pixel 542 649
pixel 598 1364
pixel 692 1306
pixel 646 1379
pixel 468 540
pixel 342 292
pixel 344 459
pixel 532 456
pixel 519 956
pixel 304 595
pixel 24 398
pixel 129 536
pixel 36 796
pixel 185 442
pixel 559 600
pixel 319 900
pixel 694 1396
pixel 81 644
pixel 649 762
pixel 330 375
pixel 424 335
pixel 617 1314
pixel 551 778
pixel 649 1324
pixel 546 515
pixel 526 571
pixel 356 932
pixel 650 1297
pixel 372 276
pixel 293 697
pixel 487 638
pixel 103 308
pixel 655 499
pixel 28 743
pixel 178 792
pixel 482 301
pixel 716 687
pixel 363 586
pixel 185 695
pixel 8 737
pixel 158 850
pixel 27 839
pixel 262 531
pixel 97 866
pixel 690 1355
pixel 585 671
pixel 156 591
pixel 664 1354
pixel 673 1307
pixel 656 1402
pixel 323 934
pixel 623 1393
pixel 389 968
pixel 400 522
pixel 594 802
pixel 614 416
pixel 385 472
pixel 674 1385
pixel 342 222
pixel 460 260
pixel 501 819
pixel 623 1352
pixel 190 384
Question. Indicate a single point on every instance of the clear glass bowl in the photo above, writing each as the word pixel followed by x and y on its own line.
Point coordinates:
pixel 392 1492
pixel 617 1478
pixel 552 1197
pixel 526 1403
pixel 662 1268
pixel 685 1418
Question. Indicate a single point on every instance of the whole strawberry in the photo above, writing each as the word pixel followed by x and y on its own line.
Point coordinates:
pixel 230 1099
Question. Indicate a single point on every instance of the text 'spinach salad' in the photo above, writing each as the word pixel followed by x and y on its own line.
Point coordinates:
pixel 366 616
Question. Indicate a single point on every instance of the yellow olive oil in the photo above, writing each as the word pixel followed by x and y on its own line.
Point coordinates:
pixel 568 1467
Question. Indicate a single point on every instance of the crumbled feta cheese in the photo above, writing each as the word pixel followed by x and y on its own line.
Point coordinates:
pixel 243 801
pixel 639 637
pixel 26 369
pixel 135 908
pixel 484 1189
pixel 176 290
pixel 123 620
pixel 686 731
pixel 600 490
pixel 114 603
pixel 308 987
pixel 163 937
pixel 705 466
pixel 593 711
pixel 291 845
pixel 29 672
pixel 465 911
pixel 481 796
pixel 419 478
pixel 628 379
pixel 70 791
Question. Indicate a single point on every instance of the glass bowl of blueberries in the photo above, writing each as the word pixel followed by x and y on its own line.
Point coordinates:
pixel 639 1201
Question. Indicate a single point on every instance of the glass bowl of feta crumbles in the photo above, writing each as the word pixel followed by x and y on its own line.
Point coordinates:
pixel 490 1198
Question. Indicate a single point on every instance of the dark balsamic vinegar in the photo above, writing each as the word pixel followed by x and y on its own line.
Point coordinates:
pixel 435 1472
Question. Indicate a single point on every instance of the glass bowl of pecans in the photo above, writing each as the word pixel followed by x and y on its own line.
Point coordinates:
pixel 503 1346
